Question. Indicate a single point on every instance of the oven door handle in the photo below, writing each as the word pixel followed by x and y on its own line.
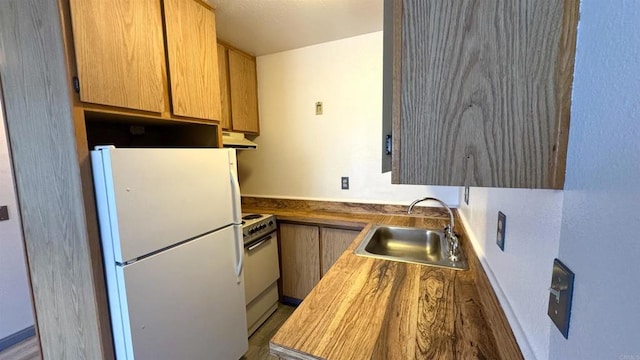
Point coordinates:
pixel 257 243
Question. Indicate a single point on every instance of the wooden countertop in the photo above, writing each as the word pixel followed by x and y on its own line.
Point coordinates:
pixel 366 308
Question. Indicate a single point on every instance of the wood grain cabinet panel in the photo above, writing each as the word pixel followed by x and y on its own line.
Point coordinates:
pixel 243 92
pixel 119 52
pixel 333 242
pixel 307 252
pixel 223 69
pixel 300 259
pixel 480 91
pixel 193 59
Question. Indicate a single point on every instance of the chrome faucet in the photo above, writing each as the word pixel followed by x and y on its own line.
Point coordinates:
pixel 452 238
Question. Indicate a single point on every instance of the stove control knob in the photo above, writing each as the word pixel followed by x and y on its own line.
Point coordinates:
pixel 270 223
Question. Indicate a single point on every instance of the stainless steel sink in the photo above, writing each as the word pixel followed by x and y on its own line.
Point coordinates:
pixel 411 245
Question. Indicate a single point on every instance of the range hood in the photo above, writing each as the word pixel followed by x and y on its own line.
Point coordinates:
pixel 237 141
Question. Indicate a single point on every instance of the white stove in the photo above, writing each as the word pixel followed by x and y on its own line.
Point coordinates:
pixel 261 268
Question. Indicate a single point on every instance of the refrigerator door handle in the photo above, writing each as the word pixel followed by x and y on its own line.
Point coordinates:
pixel 239 252
pixel 235 192
pixel 237 219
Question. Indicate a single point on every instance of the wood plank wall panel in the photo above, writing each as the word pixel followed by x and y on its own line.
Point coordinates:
pixel 244 92
pixel 41 136
pixel 300 255
pixel 193 59
pixel 333 242
pixel 119 52
pixel 479 92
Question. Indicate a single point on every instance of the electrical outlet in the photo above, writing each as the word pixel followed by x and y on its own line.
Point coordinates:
pixel 345 182
pixel 502 225
pixel 319 108
pixel 560 296
pixel 466 195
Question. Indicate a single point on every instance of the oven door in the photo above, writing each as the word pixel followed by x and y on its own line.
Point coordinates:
pixel 261 267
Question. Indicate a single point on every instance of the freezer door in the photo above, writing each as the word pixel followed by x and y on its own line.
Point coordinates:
pixel 149 199
pixel 184 303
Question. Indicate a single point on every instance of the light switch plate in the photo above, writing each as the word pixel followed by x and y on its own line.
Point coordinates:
pixel 560 296
pixel 501 228
pixel 4 213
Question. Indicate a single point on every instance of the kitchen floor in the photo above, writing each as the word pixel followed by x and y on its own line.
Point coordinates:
pixel 259 341
pixel 26 350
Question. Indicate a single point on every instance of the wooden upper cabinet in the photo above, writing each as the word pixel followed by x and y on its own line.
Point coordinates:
pixel 193 59
pixel 119 52
pixel 243 87
pixel 479 92
pixel 223 69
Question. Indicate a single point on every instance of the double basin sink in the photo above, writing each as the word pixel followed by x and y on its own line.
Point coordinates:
pixel 410 245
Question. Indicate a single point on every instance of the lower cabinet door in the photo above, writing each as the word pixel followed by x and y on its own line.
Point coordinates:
pixel 333 242
pixel 300 257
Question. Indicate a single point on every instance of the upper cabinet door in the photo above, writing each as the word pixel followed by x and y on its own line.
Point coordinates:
pixel 480 91
pixel 193 59
pixel 119 52
pixel 244 92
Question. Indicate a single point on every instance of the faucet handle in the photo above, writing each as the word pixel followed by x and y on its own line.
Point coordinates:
pixel 448 231
pixel 454 244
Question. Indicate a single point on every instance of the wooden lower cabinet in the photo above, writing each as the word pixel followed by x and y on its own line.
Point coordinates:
pixel 300 259
pixel 333 242
pixel 307 252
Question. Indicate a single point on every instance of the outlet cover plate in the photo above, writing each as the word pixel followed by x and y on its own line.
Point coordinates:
pixel 560 305
pixel 344 183
pixel 502 226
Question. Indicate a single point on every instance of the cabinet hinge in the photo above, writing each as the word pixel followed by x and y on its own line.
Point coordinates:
pixel 76 84
pixel 387 144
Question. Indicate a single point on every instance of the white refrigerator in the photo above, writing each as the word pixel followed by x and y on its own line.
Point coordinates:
pixel 170 228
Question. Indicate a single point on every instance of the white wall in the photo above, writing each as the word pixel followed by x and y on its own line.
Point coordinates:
pixel 600 236
pixel 15 298
pixel 522 273
pixel 301 155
